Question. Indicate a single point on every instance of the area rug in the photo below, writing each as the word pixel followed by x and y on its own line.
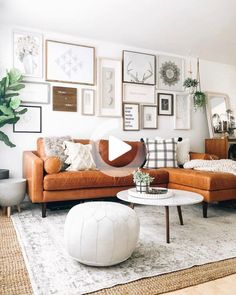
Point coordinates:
pixel 198 242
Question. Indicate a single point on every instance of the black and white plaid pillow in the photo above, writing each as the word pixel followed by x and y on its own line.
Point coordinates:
pixel 160 153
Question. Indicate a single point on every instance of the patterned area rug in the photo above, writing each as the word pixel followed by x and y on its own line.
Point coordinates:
pixel 198 242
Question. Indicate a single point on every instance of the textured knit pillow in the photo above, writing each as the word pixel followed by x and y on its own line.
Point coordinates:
pixel 160 153
pixel 79 156
pixel 183 150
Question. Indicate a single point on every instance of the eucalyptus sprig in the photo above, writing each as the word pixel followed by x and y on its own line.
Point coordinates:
pixel 139 176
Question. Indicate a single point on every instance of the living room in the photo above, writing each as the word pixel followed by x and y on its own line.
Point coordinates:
pixel 117 123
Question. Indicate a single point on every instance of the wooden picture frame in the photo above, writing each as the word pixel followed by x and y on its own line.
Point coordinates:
pixel 110 87
pixel 35 92
pixel 131 117
pixel 165 104
pixel 138 68
pixel 182 116
pixel 31 121
pixel 70 63
pixel 64 99
pixel 149 117
pixel 88 102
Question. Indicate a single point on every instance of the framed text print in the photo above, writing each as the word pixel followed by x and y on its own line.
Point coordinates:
pixel 131 117
pixel 70 63
pixel 139 68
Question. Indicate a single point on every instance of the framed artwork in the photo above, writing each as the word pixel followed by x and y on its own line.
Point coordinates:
pixel 28 53
pixel 182 111
pixel 110 87
pixel 70 63
pixel 139 93
pixel 31 121
pixel 149 117
pixel 64 99
pixel 139 68
pixel 88 102
pixel 35 92
pixel 170 73
pixel 165 104
pixel 131 121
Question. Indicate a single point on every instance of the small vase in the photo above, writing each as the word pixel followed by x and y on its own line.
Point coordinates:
pixel 28 64
pixel 142 187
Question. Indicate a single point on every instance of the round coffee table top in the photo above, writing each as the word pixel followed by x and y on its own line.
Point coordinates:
pixel 179 198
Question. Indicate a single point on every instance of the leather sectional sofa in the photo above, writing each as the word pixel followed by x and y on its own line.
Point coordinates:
pixel 45 184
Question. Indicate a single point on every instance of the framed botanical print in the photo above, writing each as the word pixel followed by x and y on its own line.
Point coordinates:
pixel 131 120
pixel 110 87
pixel 35 92
pixel 28 53
pixel 139 68
pixel 182 111
pixel 70 63
pixel 31 121
pixel 149 117
pixel 170 73
pixel 88 102
pixel 165 104
pixel 139 93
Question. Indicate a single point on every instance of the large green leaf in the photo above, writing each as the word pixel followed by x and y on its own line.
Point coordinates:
pixel 6 110
pixel 12 94
pixel 14 76
pixel 8 120
pixel 6 140
pixel 16 87
pixel 15 103
pixel 21 112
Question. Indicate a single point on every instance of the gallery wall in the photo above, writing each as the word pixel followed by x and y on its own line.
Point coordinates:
pixel 214 77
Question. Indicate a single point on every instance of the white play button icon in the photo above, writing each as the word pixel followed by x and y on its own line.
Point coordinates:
pixel 117 148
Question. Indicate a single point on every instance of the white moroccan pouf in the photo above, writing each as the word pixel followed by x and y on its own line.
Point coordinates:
pixel 101 233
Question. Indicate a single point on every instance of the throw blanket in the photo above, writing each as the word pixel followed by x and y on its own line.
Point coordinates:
pixel 228 166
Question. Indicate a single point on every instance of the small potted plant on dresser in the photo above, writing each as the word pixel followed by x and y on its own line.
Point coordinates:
pixel 142 181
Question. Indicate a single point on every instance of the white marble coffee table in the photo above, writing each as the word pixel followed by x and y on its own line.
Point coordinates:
pixel 179 198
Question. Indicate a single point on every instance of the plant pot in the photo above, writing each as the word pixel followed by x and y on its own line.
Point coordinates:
pixel 142 187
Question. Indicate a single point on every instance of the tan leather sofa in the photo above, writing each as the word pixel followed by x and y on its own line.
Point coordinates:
pixel 44 187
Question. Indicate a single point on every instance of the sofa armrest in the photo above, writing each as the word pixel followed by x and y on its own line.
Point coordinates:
pixel 33 172
pixel 202 156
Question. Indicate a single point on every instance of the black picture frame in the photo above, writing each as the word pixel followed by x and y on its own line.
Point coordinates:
pixel 165 102
pixel 17 128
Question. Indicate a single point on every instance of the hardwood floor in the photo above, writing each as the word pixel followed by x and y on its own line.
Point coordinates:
pixel 224 286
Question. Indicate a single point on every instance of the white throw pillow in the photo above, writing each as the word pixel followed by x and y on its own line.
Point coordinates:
pixel 183 150
pixel 79 156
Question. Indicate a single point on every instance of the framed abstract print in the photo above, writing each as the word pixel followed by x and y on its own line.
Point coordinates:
pixel 149 117
pixel 88 102
pixel 70 63
pixel 182 111
pixel 35 92
pixel 110 88
pixel 170 73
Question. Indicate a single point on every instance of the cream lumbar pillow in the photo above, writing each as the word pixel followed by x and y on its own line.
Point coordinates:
pixel 79 156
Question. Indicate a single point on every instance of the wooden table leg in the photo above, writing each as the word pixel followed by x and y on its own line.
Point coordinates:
pixel 180 215
pixel 8 211
pixel 131 205
pixel 167 225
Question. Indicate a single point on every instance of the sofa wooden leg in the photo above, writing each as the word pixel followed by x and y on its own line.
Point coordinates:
pixel 44 209
pixel 204 207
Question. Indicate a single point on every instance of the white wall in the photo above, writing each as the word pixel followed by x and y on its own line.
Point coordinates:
pixel 214 76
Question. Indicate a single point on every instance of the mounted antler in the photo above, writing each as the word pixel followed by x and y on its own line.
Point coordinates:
pixel 148 74
pixel 135 78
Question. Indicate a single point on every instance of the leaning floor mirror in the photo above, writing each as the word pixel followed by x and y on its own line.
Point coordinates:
pixel 219 116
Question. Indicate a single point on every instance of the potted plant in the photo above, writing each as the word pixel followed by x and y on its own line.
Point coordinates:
pixel 142 181
pixel 10 102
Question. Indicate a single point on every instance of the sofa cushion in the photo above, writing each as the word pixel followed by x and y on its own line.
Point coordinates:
pixel 52 164
pixel 202 179
pixel 95 179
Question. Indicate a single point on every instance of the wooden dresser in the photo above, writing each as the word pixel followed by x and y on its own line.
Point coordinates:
pixel 219 146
